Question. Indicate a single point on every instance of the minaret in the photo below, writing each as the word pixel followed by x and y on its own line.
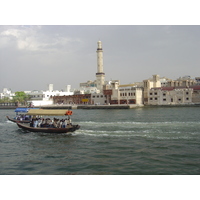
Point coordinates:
pixel 100 75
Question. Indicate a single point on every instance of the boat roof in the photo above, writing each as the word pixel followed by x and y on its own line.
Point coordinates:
pixel 47 112
pixel 23 109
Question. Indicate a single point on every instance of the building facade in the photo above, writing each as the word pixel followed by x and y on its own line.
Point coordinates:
pixel 78 99
pixel 41 98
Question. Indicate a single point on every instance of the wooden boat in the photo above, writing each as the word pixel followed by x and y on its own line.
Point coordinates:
pixel 16 121
pixel 48 130
pixel 47 112
pixel 20 110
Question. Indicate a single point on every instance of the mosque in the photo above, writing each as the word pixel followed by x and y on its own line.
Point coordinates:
pixel 102 92
pixel 152 91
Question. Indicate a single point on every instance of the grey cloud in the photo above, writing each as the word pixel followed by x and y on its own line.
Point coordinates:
pixel 67 54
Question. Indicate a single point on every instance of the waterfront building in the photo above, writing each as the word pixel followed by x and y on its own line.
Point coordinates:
pixel 184 81
pixel 88 84
pixel 170 96
pixel 41 98
pixel 197 80
pixel 7 93
pixel 126 94
pixel 77 99
pixel 196 94
pixel 181 91
pixel 148 84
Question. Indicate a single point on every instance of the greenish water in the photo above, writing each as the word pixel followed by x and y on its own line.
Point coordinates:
pixel 142 141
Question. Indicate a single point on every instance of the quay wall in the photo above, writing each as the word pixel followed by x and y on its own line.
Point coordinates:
pixel 71 107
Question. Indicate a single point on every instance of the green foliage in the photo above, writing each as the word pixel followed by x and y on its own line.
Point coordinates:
pixel 21 97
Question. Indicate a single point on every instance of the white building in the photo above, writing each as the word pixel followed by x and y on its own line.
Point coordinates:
pixel 7 93
pixel 41 98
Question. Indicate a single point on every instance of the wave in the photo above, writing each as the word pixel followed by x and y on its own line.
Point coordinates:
pixel 131 122
pixel 131 134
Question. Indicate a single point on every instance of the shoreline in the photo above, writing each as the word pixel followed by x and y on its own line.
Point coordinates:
pixel 130 106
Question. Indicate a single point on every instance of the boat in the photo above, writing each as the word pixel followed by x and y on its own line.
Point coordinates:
pixel 17 120
pixel 50 129
pixel 24 111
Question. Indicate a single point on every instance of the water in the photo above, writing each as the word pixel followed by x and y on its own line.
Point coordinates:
pixel 142 141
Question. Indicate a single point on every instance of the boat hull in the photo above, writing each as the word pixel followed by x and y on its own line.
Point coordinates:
pixel 18 121
pixel 48 130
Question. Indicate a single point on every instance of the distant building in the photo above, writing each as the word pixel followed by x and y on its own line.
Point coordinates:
pixel 88 84
pixel 181 91
pixel 7 93
pixel 148 84
pixel 78 99
pixel 170 96
pixel 40 98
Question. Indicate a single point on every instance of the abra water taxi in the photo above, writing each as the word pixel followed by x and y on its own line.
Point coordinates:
pixel 21 115
pixel 40 124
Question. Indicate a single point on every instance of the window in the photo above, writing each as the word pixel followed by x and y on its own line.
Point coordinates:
pixel 187 99
pixel 150 99
pixel 164 94
pixel 150 93
pixel 164 99
pixel 155 93
pixel 156 98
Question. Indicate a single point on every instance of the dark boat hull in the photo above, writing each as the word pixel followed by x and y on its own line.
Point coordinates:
pixel 48 130
pixel 18 121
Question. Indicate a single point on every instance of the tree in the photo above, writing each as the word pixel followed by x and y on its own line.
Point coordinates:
pixel 21 97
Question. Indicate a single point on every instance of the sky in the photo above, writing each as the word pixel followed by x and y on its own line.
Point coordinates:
pixel 31 57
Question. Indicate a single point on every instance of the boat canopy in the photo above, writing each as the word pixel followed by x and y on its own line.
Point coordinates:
pixel 49 112
pixel 22 109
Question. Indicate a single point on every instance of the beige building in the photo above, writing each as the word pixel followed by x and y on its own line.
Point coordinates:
pixel 164 91
pixel 170 96
pixel 148 84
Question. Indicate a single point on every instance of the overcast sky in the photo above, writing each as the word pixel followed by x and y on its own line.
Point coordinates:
pixel 31 57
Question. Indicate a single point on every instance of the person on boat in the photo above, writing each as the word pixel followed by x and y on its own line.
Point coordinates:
pixel 64 124
pixel 32 122
pixel 54 123
pixel 35 123
pixel 69 121
pixel 59 123
pixel 42 122
pixel 39 122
